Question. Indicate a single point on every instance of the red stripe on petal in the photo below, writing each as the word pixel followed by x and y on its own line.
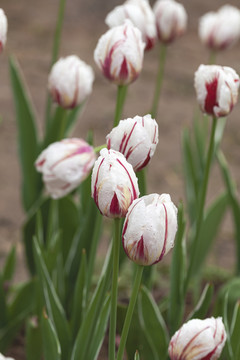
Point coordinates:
pixel 115 208
pixel 211 98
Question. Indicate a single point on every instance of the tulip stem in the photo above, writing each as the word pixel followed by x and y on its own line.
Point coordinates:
pixel 121 95
pixel 128 318
pixel 212 57
pixel 195 244
pixel 55 51
pixel 62 126
pixel 114 290
pixel 97 149
pixel 161 66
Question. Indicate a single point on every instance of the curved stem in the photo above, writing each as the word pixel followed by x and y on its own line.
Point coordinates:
pixel 195 243
pixel 161 66
pixel 128 318
pixel 55 51
pixel 113 310
pixel 97 149
pixel 121 95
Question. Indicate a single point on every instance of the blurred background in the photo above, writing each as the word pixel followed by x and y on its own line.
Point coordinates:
pixel 30 34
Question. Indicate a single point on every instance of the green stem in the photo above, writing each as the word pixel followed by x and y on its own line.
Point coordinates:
pixel 62 125
pixel 128 318
pixel 212 57
pixel 97 149
pixel 114 291
pixel 141 175
pixel 161 66
pixel 203 192
pixel 55 51
pixel 121 95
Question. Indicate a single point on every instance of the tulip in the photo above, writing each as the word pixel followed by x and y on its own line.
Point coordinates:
pixel 119 53
pixel 3 29
pixel 149 229
pixel 136 139
pixel 171 20
pixel 217 89
pixel 198 340
pixel 220 30
pixel 70 81
pixel 2 357
pixel 114 184
pixel 64 165
pixel 140 14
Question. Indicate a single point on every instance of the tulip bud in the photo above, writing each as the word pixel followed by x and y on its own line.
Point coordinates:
pixel 216 88
pixel 70 81
pixel 198 340
pixel 171 20
pixel 220 30
pixel 64 165
pixel 136 139
pixel 3 29
pixel 114 184
pixel 140 14
pixel 119 53
pixel 149 229
pixel 2 357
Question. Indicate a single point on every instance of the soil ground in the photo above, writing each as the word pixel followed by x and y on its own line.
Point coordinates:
pixel 31 28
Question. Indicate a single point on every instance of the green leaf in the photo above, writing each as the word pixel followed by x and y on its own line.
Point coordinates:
pixel 33 339
pixel 85 333
pixel 79 296
pixel 209 229
pixel 228 348
pixel 18 311
pixel 153 324
pixel 100 331
pixel 190 176
pixel 27 138
pixel 235 331
pixel 68 216
pixel 57 127
pixel 3 304
pixel 9 266
pixel 53 304
pixel 231 188
pixel 51 345
pixel 73 116
pixel 232 289
pixel 177 274
pixel 203 304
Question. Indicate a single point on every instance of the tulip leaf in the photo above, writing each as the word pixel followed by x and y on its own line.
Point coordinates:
pixel 79 296
pixel 100 330
pixel 68 217
pixel 203 304
pixel 235 331
pixel 18 310
pixel 153 324
pixel 27 138
pixel 3 304
pixel 51 345
pixel 228 348
pixel 53 304
pixel 57 127
pixel 177 274
pixel 86 331
pixel 9 266
pixel 231 188
pixel 209 229
pixel 33 340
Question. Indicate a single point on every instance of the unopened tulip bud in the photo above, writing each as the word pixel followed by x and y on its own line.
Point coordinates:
pixel 64 165
pixel 2 357
pixel 3 29
pixel 217 89
pixel 114 184
pixel 198 340
pixel 140 14
pixel 136 139
pixel 119 53
pixel 70 81
pixel 149 229
pixel 220 30
pixel 171 20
